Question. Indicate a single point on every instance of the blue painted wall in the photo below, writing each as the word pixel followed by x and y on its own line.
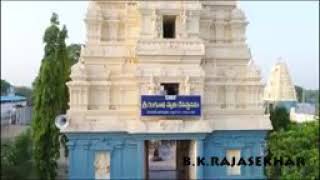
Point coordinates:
pixel 127 152
pixel 250 143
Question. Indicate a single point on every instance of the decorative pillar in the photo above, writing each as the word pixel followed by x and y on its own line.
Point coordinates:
pixel 79 159
pixel 71 96
pixel 94 29
pixel 230 96
pixel 187 86
pixel 151 86
pixel 256 96
pixel 235 32
pixel 182 31
pixel 206 25
pixel 242 30
pixel 260 95
pixel 193 27
pixel 250 99
pixel 108 89
pixel 220 24
pixel 113 29
pixel 238 24
pixel 158 26
pixel 140 166
pixel 86 98
pixel 71 147
pixel 146 22
pixel 83 99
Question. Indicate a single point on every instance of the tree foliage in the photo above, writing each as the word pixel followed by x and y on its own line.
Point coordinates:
pixel 50 99
pixel 64 64
pixel 24 91
pixel 5 85
pixel 300 140
pixel 74 52
pixel 16 158
pixel 279 117
pixel 299 91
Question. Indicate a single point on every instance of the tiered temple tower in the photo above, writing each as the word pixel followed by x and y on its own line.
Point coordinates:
pixel 280 89
pixel 186 48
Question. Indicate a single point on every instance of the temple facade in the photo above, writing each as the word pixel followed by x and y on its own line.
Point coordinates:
pixel 164 70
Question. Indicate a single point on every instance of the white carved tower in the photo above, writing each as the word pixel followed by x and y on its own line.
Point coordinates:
pixel 279 86
pixel 156 48
pixel 127 55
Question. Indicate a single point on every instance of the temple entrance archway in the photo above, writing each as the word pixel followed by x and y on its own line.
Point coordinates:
pixel 164 159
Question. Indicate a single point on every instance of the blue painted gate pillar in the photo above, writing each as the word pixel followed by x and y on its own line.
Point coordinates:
pixel 199 154
pixel 141 159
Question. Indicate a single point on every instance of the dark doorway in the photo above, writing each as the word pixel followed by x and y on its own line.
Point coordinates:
pixel 183 148
pixel 169 26
pixel 164 159
pixel 171 88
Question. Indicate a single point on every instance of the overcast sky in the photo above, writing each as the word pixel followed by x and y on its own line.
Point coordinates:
pixel 289 29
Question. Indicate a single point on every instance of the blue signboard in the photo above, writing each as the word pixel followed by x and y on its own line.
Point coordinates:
pixel 157 105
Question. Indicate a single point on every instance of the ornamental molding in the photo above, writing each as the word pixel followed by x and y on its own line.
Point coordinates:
pixel 125 57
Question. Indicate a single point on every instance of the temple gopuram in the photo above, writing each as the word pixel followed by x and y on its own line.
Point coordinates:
pixel 161 81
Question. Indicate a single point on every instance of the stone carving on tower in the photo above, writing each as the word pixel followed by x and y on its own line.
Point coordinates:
pixel 187 85
pixel 152 86
pixel 132 47
pixel 279 86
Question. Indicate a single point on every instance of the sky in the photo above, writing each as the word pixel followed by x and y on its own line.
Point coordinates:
pixel 287 29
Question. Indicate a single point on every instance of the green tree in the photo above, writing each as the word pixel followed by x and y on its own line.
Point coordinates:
pixel 49 100
pixel 16 158
pixel 5 85
pixel 24 91
pixel 299 141
pixel 279 117
pixel 299 91
pixel 74 52
pixel 64 65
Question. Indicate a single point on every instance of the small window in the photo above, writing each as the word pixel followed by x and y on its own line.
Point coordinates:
pixel 170 88
pixel 233 170
pixel 169 26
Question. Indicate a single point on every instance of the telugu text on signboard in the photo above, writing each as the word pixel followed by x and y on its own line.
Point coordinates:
pixel 155 105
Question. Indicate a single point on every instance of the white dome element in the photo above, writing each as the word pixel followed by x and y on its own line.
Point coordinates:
pixel 237 14
pixel 78 71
